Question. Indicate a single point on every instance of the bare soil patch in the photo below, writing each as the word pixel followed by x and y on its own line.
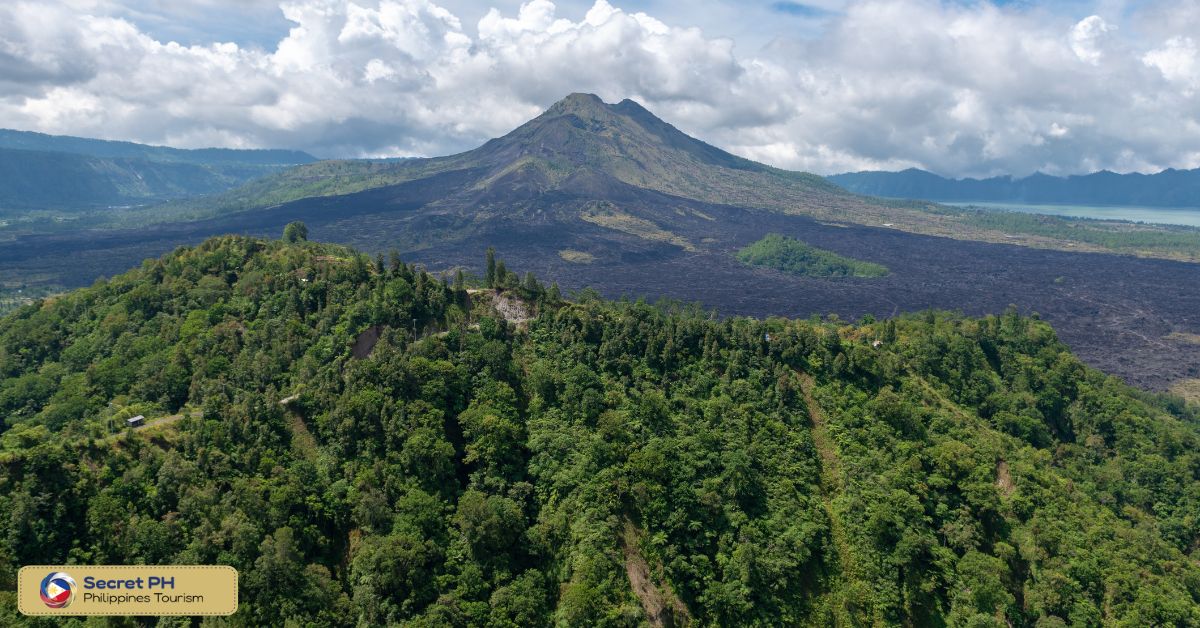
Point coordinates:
pixel 663 608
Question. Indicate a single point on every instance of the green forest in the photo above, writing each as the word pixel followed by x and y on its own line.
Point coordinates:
pixel 369 444
pixel 792 256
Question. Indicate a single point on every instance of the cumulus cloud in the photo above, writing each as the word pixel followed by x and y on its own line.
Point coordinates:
pixel 1177 60
pixel 1087 38
pixel 962 89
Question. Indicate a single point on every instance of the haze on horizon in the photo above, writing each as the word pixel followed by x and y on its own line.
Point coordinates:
pixel 970 88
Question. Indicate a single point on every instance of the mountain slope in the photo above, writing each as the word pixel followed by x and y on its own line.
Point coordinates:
pixel 601 463
pixel 643 177
pixel 1169 188
pixel 64 173
pixel 45 180
pixel 28 140
pixel 580 146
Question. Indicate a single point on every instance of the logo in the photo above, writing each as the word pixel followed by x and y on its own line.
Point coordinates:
pixel 58 589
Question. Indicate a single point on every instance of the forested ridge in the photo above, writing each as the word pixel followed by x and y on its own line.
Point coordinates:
pixel 602 463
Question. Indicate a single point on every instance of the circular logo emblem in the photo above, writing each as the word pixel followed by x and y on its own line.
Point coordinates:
pixel 58 589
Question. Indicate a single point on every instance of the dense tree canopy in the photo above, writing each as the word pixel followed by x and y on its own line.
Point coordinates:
pixel 368 444
pixel 795 257
pixel 295 231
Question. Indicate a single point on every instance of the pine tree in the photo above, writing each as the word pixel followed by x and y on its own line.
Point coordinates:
pixel 489 279
pixel 531 284
pixel 460 281
pixel 889 332
pixel 360 268
pixel 840 365
pixel 500 276
pixel 419 287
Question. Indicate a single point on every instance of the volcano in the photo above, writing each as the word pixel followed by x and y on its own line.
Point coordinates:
pixel 581 164
pixel 609 196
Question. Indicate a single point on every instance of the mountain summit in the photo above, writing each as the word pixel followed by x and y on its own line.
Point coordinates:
pixel 589 132
pixel 582 141
pixel 580 146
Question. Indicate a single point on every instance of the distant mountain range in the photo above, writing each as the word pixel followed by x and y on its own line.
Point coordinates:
pixel 39 171
pixel 1169 188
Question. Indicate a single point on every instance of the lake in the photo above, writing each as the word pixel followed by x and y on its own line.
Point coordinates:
pixel 1189 216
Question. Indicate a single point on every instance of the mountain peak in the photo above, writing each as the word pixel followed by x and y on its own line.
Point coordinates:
pixel 624 141
pixel 592 107
pixel 582 98
pixel 581 104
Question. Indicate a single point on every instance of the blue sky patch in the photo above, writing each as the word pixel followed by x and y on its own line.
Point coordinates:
pixel 798 9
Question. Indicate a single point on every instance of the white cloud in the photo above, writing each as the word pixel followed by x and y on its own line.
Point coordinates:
pixel 1087 38
pixel 1176 60
pixel 954 87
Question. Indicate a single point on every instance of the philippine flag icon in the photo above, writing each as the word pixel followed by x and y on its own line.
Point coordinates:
pixel 58 589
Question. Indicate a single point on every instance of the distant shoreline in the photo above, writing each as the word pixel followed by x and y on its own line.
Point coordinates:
pixel 1185 216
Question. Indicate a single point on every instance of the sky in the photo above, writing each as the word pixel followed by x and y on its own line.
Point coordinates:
pixel 958 87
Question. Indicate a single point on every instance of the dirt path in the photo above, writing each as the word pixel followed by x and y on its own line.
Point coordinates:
pixel 831 470
pixel 663 608
pixel 302 439
pixel 942 401
pixel 832 479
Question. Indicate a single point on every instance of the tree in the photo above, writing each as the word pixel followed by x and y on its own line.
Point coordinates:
pixel 294 232
pixel 489 279
pixel 889 331
pixel 530 285
pixel 501 276
pixel 360 268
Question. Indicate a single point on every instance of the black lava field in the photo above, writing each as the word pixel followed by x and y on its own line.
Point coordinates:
pixel 1116 312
